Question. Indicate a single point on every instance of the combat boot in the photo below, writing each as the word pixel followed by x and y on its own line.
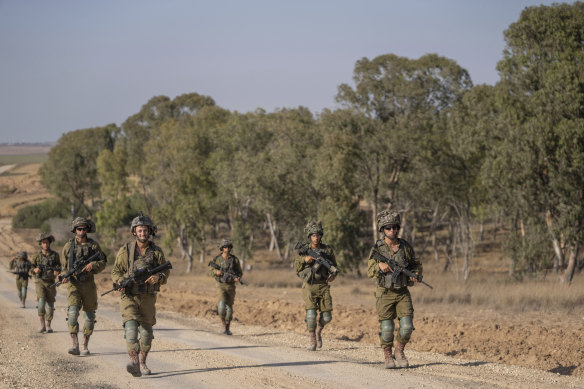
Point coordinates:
pixel 145 370
pixel 319 336
pixel 227 323
pixel 43 327
pixel 389 363
pixel 400 356
pixel 312 338
pixel 75 349
pixel 23 304
pixel 49 329
pixel 224 325
pixel 84 349
pixel 134 366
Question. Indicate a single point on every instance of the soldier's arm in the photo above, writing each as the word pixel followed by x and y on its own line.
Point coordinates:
pixel 299 263
pixel 372 266
pixel 238 270
pixel 64 265
pixel 100 264
pixel 120 265
pixel 212 271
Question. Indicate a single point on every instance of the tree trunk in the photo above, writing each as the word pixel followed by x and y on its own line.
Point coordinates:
pixel 272 226
pixel 559 263
pixel 568 275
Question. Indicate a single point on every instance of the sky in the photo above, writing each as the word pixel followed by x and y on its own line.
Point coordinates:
pixel 74 64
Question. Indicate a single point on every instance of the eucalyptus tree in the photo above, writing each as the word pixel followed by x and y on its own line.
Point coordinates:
pixel 400 100
pixel 181 182
pixel 70 173
pixel 540 162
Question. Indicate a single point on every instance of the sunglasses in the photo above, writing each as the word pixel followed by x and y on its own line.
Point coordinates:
pixel 81 229
pixel 391 227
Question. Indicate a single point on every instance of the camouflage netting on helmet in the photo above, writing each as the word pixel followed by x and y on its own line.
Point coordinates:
pixel 21 254
pixel 313 227
pixel 385 218
pixel 143 220
pixel 81 221
pixel 45 235
pixel 225 243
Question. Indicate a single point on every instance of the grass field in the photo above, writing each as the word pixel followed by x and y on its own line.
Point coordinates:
pixel 22 159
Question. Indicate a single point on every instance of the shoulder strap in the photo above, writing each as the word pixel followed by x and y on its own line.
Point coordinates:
pixel 71 254
pixel 131 250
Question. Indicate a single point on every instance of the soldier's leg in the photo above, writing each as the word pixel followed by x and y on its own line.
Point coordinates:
pixel 228 317
pixel 87 331
pixel 405 313
pixel 311 326
pixel 41 312
pixel 72 323
pixel 49 316
pixel 133 347
pixel 146 336
pixel 324 319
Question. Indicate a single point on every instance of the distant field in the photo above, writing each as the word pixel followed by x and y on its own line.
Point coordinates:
pixel 22 159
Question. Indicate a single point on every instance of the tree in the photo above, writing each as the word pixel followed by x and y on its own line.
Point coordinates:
pixel 70 173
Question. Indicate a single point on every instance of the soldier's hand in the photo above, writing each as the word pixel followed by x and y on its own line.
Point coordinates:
pixel 218 273
pixel 384 267
pixel 331 278
pixel 309 259
pixel 153 279
pixel 236 279
pixel 37 270
pixel 414 279
pixel 88 267
pixel 55 273
pixel 64 280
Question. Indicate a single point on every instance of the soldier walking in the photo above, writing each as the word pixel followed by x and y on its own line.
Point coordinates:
pixel 138 300
pixel 46 266
pixel 316 290
pixel 393 299
pixel 81 289
pixel 226 276
pixel 20 265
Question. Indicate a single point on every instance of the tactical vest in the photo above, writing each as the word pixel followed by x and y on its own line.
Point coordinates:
pixel 22 268
pixel 140 262
pixel 77 252
pixel 402 257
pixel 227 265
pixel 308 273
pixel 47 264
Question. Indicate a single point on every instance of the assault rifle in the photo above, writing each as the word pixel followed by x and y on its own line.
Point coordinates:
pixel 228 275
pixel 320 260
pixel 396 268
pixel 78 268
pixel 138 277
pixel 20 274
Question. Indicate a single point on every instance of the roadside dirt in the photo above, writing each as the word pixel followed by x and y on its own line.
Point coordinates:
pixel 452 346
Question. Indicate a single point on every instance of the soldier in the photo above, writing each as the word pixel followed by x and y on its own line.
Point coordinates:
pixel 393 299
pixel 229 273
pixel 138 302
pixel 46 266
pixel 316 290
pixel 20 265
pixel 81 289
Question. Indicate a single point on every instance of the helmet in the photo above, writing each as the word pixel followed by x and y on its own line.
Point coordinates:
pixel 45 235
pixel 385 218
pixel 313 227
pixel 81 221
pixel 225 243
pixel 143 220
pixel 21 254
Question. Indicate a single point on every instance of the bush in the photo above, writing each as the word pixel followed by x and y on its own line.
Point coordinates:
pixel 33 216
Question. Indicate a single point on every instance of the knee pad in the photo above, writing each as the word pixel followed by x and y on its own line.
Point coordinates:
pixel 387 328
pixel 50 309
pixel 41 306
pixel 325 317
pixel 146 336
pixel 221 309
pixel 89 320
pixel 311 319
pixel 406 327
pixel 228 313
pixel 72 315
pixel 131 331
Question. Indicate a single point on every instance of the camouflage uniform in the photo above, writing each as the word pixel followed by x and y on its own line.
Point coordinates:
pixel 316 290
pixel 393 300
pixel 138 303
pixel 226 287
pixel 44 281
pixel 81 289
pixel 22 266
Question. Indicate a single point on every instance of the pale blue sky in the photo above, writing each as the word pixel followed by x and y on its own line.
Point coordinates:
pixel 72 64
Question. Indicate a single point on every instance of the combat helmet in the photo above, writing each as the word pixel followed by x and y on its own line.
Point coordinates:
pixel 143 220
pixel 313 227
pixel 81 221
pixel 385 218
pixel 21 254
pixel 45 235
pixel 225 243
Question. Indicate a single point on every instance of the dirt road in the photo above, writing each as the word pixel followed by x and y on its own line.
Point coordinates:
pixel 190 353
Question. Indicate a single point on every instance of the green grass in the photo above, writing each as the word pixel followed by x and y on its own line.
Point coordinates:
pixel 22 159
